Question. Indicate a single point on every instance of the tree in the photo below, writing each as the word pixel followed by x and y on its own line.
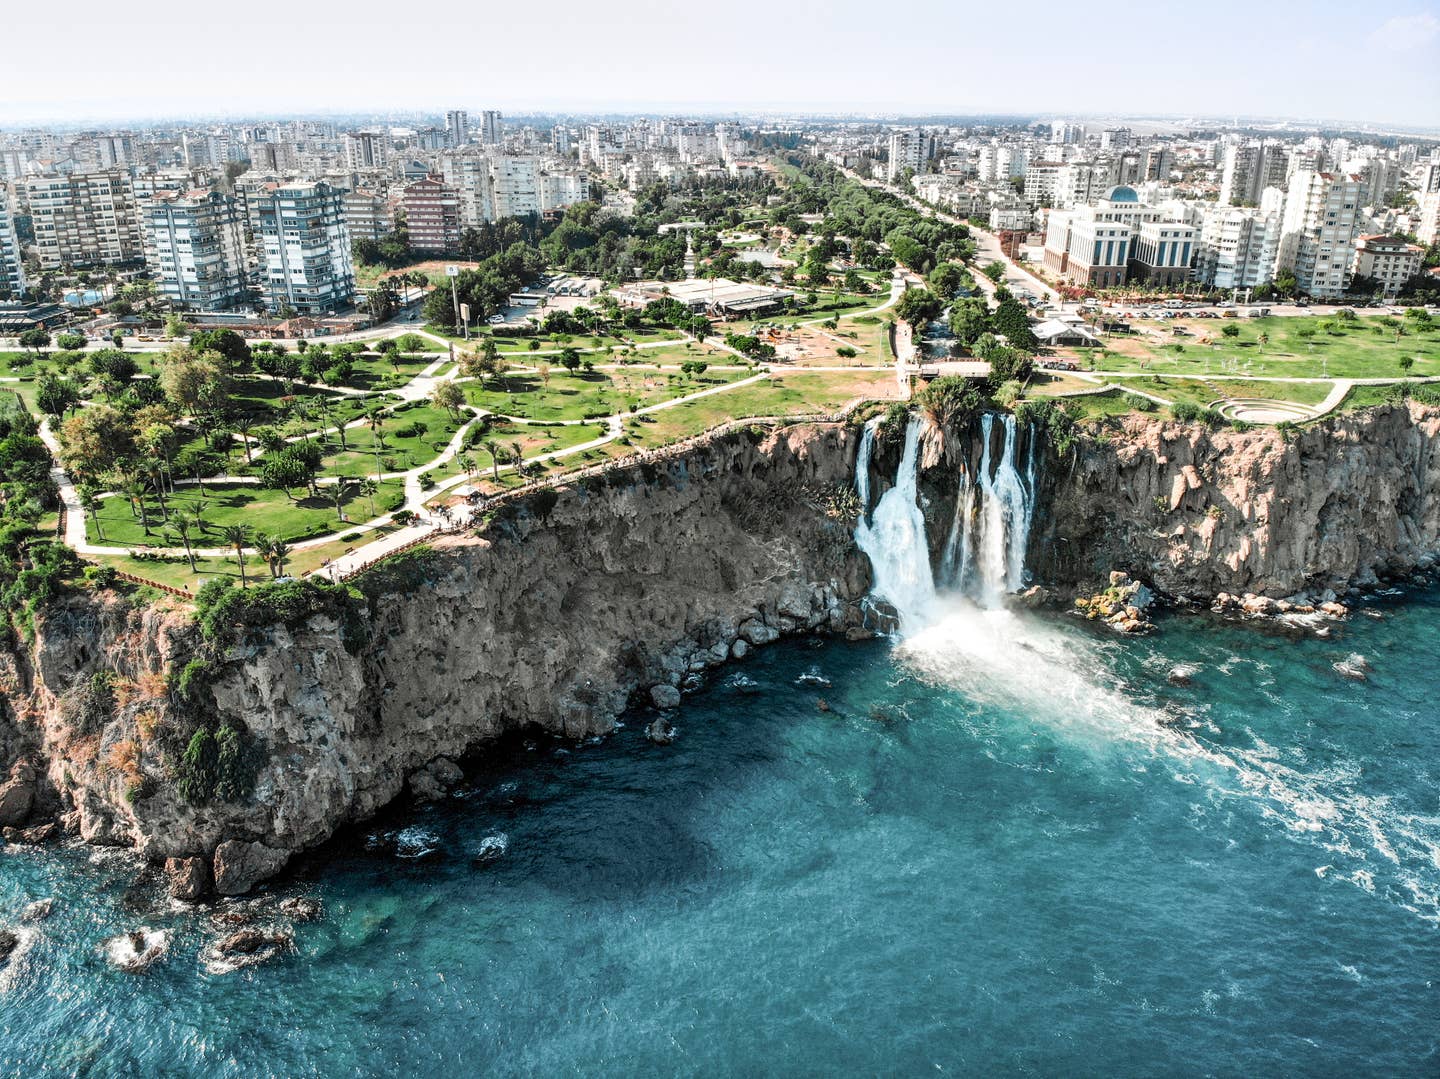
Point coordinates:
pixel 949 400
pixel 35 340
pixel 1406 363
pixel 947 279
pixel 113 366
pixel 95 439
pixel 90 503
pixel 968 320
pixel 493 449
pixel 543 370
pixel 369 488
pixel 918 307
pixel 281 472
pixel 339 491
pixel 70 341
pixel 569 359
pixel 193 381
pixel 279 554
pixel 467 464
pixel 56 396
pixel 1230 330
pixel 994 269
pixel 1263 339
pixel 238 536
pixel 1010 319
pixel 449 396
pixel 182 523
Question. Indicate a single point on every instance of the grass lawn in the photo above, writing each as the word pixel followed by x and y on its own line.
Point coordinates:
pixel 223 504
pixel 600 393
pixel 1375 394
pixel 791 394
pixel 1092 406
pixel 403 444
pixel 1306 346
pixel 1205 392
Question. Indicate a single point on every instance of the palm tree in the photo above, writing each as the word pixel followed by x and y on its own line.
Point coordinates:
pixel 182 523
pixel 156 474
pixel 467 464
pixel 279 552
pixel 135 490
pixel 1263 339
pixel 238 536
pixel 90 503
pixel 369 488
pixel 338 490
pixel 265 548
pixel 493 449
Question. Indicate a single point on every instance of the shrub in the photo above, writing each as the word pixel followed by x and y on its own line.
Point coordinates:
pixel 217 766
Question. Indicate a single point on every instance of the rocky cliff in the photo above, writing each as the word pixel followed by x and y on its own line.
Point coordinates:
pixel 565 608
pixel 560 611
pixel 1197 512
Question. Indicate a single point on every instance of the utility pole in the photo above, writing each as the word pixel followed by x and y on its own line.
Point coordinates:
pixel 453 272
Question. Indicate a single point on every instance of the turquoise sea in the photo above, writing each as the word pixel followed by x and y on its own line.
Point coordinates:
pixel 1008 846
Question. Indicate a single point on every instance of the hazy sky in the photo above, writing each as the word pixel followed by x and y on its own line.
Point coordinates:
pixel 1326 59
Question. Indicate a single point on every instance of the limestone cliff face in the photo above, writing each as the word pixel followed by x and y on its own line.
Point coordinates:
pixel 562 611
pixel 639 580
pixel 1199 512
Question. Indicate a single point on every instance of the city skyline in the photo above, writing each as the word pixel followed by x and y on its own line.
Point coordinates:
pixel 802 58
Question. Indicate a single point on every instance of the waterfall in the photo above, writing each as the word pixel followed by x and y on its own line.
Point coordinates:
pixel 862 466
pixel 894 539
pixel 983 557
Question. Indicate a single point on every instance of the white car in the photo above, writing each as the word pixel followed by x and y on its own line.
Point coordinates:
pixel 495 320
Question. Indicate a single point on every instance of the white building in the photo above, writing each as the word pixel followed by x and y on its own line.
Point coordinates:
pixel 516 184
pixel 1389 260
pixel 909 150
pixel 1237 247
pixel 196 248
pixel 304 246
pixel 365 150
pixel 85 219
pixel 457 127
pixel 12 273
pixel 1317 238
pixel 1429 228
pixel 492 128
pixel 1249 169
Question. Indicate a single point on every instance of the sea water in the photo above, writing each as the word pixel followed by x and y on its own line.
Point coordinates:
pixel 1007 845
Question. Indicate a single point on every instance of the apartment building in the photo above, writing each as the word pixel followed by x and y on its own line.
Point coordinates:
pixel 457 128
pixel 84 220
pixel 365 150
pixel 1428 231
pixel 304 246
pixel 1042 182
pixel 1249 169
pixel 492 127
pixel 909 150
pixel 1317 238
pixel 366 215
pixel 516 183
pixel 1238 247
pixel 432 215
pixel 12 272
pixel 1389 260
pixel 195 246
pixel 561 189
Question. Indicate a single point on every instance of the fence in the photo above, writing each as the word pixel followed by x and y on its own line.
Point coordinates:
pixel 171 589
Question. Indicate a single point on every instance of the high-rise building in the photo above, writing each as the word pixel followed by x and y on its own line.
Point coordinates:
pixel 1238 246
pixel 560 140
pixel 304 246
pixel 366 216
pixel 1317 236
pixel 492 128
pixel 84 220
pixel 432 215
pixel 367 150
pixel 1248 170
pixel 516 185
pixel 196 248
pixel 909 150
pixel 12 273
pixel 1428 229
pixel 457 127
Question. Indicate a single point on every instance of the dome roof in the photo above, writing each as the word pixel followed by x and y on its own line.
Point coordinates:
pixel 1122 194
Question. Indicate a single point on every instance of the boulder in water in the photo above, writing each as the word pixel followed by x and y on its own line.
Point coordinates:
pixel 239 866
pixel 757 632
pixel 661 731
pixel 859 633
pixel 9 941
pixel 1355 667
pixel 301 908
pixel 189 877
pixel 247 947
pixel 1334 609
pixel 38 911
pixel 740 649
pixel 814 678
pixel 136 951
pixel 664 695
pixel 491 848
pixel 1182 674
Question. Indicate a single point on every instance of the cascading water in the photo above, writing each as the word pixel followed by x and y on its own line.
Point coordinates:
pixel 984 553
pixel 894 536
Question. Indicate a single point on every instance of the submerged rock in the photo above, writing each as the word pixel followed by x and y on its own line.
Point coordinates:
pixel 741 684
pixel 247 947
pixel 38 911
pixel 1182 674
pixel 813 677
pixel 301 908
pixel 1355 667
pixel 136 951
pixel 491 848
